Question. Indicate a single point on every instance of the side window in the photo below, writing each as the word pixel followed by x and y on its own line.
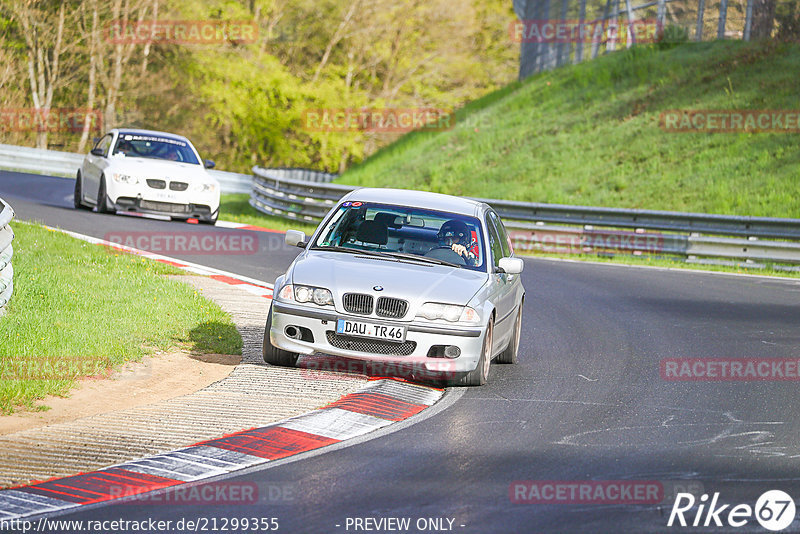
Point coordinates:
pixel 494 242
pixel 104 144
pixel 505 240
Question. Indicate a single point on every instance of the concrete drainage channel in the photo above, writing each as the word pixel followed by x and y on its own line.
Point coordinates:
pixel 178 441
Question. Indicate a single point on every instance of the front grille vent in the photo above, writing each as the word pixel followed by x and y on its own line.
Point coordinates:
pixel 391 307
pixel 373 346
pixel 357 303
pixel 163 206
pixel 178 186
pixel 156 184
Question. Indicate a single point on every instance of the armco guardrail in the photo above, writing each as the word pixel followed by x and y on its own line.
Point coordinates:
pixel 620 230
pixel 55 163
pixel 39 161
pixel 6 251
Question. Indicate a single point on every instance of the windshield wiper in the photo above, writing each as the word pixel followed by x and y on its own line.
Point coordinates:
pixel 366 252
pixel 424 259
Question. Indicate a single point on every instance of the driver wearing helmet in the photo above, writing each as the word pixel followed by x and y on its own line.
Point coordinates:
pixel 455 235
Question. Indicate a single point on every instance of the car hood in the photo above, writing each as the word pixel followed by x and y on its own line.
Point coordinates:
pixel 344 273
pixel 153 168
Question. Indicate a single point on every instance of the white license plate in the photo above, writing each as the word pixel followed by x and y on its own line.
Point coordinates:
pixel 166 196
pixel 347 327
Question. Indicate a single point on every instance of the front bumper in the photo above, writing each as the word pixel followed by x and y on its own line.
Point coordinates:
pixel 171 209
pixel 420 337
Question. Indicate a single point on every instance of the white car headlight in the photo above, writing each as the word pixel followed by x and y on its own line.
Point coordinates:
pixel 318 295
pixel 125 178
pixel 449 312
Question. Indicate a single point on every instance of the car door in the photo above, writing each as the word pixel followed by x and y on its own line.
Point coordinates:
pixel 502 294
pixel 93 167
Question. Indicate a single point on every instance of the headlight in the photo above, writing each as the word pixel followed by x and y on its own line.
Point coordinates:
pixel 125 178
pixel 322 297
pixel 205 187
pixel 318 295
pixel 448 312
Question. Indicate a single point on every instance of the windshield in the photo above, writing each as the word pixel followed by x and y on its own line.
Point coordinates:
pixel 155 147
pixel 407 233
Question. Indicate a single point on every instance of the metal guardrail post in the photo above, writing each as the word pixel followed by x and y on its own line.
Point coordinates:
pixel 6 252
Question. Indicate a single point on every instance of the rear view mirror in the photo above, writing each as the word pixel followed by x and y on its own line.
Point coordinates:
pixel 409 221
pixel 511 265
pixel 208 164
pixel 295 238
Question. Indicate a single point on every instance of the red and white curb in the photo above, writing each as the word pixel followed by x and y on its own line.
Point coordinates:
pixel 251 285
pixel 242 226
pixel 378 404
pixel 218 224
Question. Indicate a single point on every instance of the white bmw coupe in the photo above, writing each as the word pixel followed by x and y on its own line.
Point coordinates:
pixel 147 172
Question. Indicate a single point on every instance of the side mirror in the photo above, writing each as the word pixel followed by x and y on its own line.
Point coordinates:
pixel 209 164
pixel 511 265
pixel 98 152
pixel 295 238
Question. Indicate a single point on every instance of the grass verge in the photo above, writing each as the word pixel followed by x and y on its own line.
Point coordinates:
pixel 80 309
pixel 589 134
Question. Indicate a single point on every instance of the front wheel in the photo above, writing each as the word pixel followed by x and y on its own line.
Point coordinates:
pixel 479 375
pixel 510 354
pixel 272 354
pixel 211 221
pixel 102 202
pixel 77 196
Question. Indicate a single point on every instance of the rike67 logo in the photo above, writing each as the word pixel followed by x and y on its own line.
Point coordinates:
pixel 774 510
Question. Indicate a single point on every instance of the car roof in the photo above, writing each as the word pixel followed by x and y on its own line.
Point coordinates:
pixel 417 199
pixel 134 131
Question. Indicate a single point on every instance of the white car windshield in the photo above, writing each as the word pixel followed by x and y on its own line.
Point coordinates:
pixel 403 232
pixel 154 147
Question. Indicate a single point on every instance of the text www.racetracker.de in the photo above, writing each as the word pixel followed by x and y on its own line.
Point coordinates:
pixel 198 524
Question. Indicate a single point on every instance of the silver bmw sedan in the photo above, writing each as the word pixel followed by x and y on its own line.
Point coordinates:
pixel 411 278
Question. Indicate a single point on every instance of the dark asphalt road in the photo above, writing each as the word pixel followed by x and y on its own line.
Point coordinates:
pixel 586 402
pixel 49 201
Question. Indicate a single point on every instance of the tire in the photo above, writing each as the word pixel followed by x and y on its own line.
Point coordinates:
pixel 77 195
pixel 102 204
pixel 479 375
pixel 510 354
pixel 274 355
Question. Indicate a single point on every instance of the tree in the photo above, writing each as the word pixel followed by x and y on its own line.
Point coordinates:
pixel 41 28
pixel 763 19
